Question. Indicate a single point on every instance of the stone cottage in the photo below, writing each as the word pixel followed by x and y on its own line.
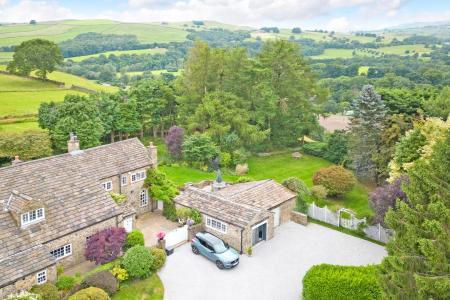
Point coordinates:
pixel 242 214
pixel 51 206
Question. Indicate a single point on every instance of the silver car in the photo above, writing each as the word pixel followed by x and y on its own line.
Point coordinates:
pixel 215 249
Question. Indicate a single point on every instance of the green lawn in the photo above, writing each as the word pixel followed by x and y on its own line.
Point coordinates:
pixel 147 289
pixel 118 53
pixel 278 167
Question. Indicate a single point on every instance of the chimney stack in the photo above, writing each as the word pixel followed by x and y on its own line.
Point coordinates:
pixel 16 160
pixel 73 144
pixel 153 152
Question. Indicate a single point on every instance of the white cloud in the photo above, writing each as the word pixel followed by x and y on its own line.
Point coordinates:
pixel 340 24
pixel 33 10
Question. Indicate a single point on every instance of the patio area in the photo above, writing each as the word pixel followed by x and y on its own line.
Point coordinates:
pixel 152 223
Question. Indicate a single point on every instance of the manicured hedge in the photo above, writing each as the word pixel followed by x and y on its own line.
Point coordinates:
pixel 324 282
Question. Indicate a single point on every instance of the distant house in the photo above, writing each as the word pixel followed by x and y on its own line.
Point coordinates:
pixel 50 207
pixel 242 214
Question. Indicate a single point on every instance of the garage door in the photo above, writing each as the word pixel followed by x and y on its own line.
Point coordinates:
pixel 276 217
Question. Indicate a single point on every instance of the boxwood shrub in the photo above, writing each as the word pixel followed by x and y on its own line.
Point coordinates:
pixel 316 148
pixel 135 237
pixel 91 293
pixel 323 282
pixel 138 261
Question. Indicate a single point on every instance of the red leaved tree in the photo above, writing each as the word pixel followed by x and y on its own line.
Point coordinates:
pixel 104 246
pixel 174 141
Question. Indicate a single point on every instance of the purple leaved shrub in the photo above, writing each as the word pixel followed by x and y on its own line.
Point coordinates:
pixel 105 245
pixel 385 196
pixel 174 141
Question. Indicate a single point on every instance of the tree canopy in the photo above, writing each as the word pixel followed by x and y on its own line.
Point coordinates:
pixel 37 54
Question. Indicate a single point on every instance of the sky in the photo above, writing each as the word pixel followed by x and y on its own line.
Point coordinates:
pixel 338 15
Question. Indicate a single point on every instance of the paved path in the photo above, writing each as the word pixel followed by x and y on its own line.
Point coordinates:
pixel 274 271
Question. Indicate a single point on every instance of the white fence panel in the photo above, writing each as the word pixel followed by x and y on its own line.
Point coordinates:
pixel 177 236
pixel 376 232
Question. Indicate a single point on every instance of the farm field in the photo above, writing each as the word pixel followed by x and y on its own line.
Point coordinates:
pixel 22 103
pixel 118 53
pixel 19 127
pixel 401 49
pixel 58 31
pixel 6 56
pixel 70 80
pixel 395 50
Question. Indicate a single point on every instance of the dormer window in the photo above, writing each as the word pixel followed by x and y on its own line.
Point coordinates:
pixel 33 216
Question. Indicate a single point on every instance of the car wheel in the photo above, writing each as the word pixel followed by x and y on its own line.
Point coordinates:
pixel 195 250
pixel 219 264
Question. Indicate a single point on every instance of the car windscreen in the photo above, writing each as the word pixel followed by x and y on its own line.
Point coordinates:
pixel 220 247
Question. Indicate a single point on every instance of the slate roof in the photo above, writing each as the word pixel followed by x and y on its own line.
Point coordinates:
pixel 69 186
pixel 264 194
pixel 21 264
pixel 218 207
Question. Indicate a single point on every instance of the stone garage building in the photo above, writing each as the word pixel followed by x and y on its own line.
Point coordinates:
pixel 242 214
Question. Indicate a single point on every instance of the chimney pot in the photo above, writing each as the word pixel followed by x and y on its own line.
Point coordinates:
pixel 16 160
pixel 73 144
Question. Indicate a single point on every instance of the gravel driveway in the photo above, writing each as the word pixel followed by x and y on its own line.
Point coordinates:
pixel 275 270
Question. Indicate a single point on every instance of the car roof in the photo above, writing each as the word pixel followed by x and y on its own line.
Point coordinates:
pixel 209 237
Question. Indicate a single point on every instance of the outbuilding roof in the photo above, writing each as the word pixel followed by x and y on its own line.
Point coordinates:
pixel 221 208
pixel 264 194
pixel 240 204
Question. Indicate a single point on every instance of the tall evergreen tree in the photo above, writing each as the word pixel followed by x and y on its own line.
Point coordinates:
pixel 418 261
pixel 366 125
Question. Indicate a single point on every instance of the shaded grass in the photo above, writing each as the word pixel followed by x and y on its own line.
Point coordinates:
pixel 147 289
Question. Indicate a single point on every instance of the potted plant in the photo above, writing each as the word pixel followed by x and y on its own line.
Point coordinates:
pixel 161 242
pixel 189 222
pixel 249 251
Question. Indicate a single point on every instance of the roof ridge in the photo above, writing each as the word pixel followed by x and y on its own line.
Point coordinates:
pixel 68 153
pixel 251 187
pixel 254 208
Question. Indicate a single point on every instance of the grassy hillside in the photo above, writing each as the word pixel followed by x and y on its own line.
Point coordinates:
pixel 117 53
pixel 63 30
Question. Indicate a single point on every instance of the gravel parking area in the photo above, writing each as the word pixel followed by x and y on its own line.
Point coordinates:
pixel 275 270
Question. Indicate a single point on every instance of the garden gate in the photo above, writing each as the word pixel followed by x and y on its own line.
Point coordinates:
pixel 177 236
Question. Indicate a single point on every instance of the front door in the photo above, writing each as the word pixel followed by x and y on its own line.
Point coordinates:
pixel 259 234
pixel 128 224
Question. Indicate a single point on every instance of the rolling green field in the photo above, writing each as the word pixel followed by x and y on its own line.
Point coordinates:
pixel 58 31
pixel 23 103
pixel 395 50
pixel 6 56
pixel 19 127
pixel 401 49
pixel 70 80
pixel 118 53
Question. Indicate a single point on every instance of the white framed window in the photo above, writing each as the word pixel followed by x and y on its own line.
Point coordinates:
pixel 123 180
pixel 216 225
pixel 138 176
pixel 33 216
pixel 107 185
pixel 41 277
pixel 61 252
pixel 143 197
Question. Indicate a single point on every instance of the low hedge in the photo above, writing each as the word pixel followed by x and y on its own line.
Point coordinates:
pixel 323 282
pixel 48 291
pixel 316 149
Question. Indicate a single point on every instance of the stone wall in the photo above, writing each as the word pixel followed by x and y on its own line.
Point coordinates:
pixel 27 282
pixel 193 230
pixel 131 190
pixel 286 209
pixel 299 218
pixel 78 241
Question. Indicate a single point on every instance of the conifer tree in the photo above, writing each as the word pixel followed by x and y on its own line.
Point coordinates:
pixel 366 122
pixel 418 261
